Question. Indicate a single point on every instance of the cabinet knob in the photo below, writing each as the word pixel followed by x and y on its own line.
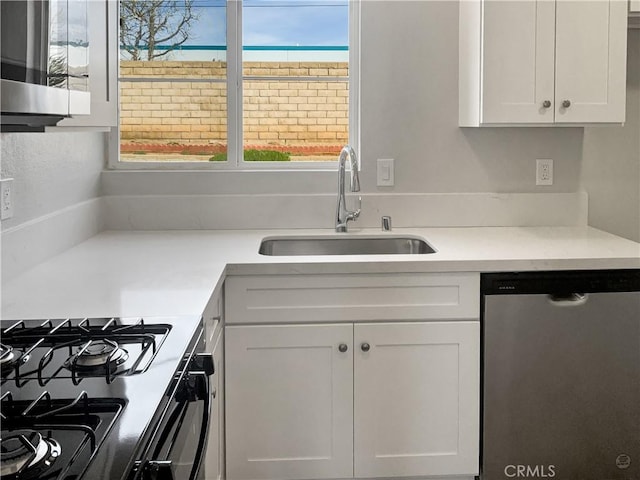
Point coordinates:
pixel 566 104
pixel 343 347
pixel 365 347
pixel 546 103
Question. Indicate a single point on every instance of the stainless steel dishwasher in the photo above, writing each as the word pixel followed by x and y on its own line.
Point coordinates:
pixel 561 375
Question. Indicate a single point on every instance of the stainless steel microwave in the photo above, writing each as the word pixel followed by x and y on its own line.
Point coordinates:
pixel 45 60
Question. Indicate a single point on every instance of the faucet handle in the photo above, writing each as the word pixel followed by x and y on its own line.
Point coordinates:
pixel 352 215
pixel 356 214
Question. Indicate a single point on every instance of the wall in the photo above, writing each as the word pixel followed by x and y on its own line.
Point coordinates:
pixel 275 112
pixel 55 191
pixel 51 171
pixel 611 161
pixel 410 112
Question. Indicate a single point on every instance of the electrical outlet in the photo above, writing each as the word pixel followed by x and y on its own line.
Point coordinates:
pixel 6 198
pixel 544 171
pixel 385 172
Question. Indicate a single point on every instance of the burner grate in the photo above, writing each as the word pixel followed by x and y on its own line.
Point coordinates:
pixel 80 348
pixel 27 453
pixel 45 438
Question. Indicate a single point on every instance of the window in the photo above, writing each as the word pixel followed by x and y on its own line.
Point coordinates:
pixel 237 84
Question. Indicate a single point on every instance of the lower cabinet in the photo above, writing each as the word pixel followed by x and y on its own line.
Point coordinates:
pixel 289 402
pixel 416 399
pixel 352 400
pixel 213 467
pixel 214 460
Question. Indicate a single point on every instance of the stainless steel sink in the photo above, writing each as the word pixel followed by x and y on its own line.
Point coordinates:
pixel 343 245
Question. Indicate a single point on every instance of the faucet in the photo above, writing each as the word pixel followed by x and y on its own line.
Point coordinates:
pixel 342 214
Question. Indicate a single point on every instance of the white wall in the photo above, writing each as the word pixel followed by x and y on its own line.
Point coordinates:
pixel 409 87
pixel 410 112
pixel 51 171
pixel 55 194
pixel 611 161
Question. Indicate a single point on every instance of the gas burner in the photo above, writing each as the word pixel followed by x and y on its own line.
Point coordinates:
pixel 27 453
pixel 9 358
pixel 7 355
pixel 97 354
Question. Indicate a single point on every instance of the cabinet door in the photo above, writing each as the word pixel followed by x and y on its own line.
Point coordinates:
pixel 103 67
pixel 416 399
pixel 289 401
pixel 518 61
pixel 591 45
pixel 214 459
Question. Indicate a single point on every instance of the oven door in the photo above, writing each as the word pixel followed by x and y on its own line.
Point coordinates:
pixel 177 450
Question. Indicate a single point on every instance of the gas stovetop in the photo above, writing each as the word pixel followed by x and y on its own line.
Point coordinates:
pixel 78 349
pixel 46 438
pixel 80 396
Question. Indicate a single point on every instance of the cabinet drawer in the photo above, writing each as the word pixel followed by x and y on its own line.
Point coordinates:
pixel 351 297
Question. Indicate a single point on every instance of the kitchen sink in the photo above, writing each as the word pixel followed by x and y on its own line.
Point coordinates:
pixel 345 245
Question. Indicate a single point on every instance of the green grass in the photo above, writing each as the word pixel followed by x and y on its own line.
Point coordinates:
pixel 256 156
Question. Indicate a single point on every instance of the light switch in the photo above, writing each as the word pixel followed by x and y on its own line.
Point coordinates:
pixel 385 172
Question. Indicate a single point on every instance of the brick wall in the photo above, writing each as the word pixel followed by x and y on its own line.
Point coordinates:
pixel 276 112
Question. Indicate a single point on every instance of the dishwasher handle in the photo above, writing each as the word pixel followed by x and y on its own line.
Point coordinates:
pixel 568 300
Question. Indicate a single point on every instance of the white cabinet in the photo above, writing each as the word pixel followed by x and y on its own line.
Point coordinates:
pixel 351 297
pixel 289 402
pixel 374 396
pixel 307 401
pixel 214 343
pixel 214 459
pixel 416 399
pixel 103 67
pixel 542 62
pixel 634 6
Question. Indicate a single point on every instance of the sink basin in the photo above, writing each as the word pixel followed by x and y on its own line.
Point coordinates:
pixel 343 245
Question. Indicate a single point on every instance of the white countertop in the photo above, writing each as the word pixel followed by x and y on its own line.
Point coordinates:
pixel 144 273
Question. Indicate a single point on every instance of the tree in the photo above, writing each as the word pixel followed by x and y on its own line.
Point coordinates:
pixel 146 24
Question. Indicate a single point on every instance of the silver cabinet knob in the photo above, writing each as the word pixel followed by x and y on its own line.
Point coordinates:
pixel 365 347
pixel 343 347
pixel 566 103
pixel 546 103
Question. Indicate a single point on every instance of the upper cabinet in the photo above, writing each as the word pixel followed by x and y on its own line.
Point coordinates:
pixel 103 67
pixel 542 62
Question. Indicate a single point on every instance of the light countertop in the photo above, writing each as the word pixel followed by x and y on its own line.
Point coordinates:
pixel 155 273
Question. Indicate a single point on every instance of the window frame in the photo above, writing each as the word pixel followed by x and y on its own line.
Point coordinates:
pixel 234 83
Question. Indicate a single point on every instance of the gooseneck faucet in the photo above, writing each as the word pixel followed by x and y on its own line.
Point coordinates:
pixel 342 214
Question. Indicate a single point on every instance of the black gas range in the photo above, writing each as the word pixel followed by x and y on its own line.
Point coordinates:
pixel 103 398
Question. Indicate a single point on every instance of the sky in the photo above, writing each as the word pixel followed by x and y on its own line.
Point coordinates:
pixel 275 23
